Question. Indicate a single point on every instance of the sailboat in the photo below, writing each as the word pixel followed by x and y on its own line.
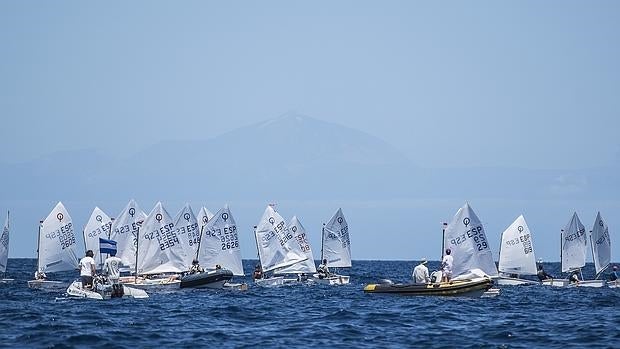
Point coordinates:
pixel 276 247
pixel 219 245
pixel 336 249
pixel 306 267
pixel 4 249
pixel 125 229
pixel 160 257
pixel 99 225
pixel 56 248
pixel 466 238
pixel 573 247
pixel 516 254
pixel 601 251
pixel 187 231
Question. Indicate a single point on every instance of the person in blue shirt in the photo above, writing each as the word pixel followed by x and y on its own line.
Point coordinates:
pixel 615 274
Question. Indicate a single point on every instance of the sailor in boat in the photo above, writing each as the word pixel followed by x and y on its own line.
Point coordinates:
pixel 323 270
pixel 573 278
pixel 111 269
pixel 195 268
pixel 258 272
pixel 446 266
pixel 615 274
pixel 87 269
pixel 302 277
pixel 39 275
pixel 420 273
pixel 542 274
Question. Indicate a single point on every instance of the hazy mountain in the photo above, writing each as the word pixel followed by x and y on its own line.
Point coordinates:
pixel 289 157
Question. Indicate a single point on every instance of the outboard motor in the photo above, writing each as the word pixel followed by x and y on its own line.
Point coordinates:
pixel 436 276
pixel 117 291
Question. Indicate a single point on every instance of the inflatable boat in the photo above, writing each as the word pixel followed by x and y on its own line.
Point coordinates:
pixel 104 291
pixel 208 279
pixel 470 288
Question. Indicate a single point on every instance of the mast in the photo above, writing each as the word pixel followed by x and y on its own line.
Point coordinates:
pixel 561 259
pixel 199 242
pixel 322 241
pixel 257 249
pixel 136 267
pixel 443 238
pixel 39 247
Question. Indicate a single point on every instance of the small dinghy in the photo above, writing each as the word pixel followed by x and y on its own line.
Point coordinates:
pixel 102 290
pixel 208 279
pixel 469 288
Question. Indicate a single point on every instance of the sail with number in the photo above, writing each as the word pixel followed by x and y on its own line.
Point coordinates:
pixel 159 247
pixel 98 226
pixel 601 244
pixel 336 246
pixel 276 247
pixel 219 243
pixel 516 254
pixel 187 230
pixel 466 238
pixel 57 243
pixel 125 229
pixel 4 245
pixel 574 245
pixel 301 239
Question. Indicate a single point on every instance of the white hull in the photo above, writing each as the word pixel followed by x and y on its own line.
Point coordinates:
pixel 47 285
pixel 331 280
pixel 76 290
pixel 152 284
pixel 555 282
pixel 235 286
pixel 613 284
pixel 270 282
pixel 591 283
pixel 6 280
pixel 508 281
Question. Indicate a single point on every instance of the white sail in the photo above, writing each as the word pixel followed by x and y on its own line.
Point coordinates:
pixel 125 230
pixel 98 226
pixel 466 238
pixel 574 245
pixel 187 230
pixel 159 248
pixel 601 244
pixel 204 216
pixel 57 242
pixel 4 245
pixel 301 238
pixel 275 242
pixel 336 242
pixel 219 243
pixel 516 254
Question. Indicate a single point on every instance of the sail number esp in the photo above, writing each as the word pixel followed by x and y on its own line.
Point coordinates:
pixel 476 234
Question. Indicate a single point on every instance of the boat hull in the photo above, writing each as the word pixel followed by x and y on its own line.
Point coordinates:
pixel 47 285
pixel 331 280
pixel 508 281
pixel 210 279
pixel 469 288
pixel 160 284
pixel 104 292
pixel 275 281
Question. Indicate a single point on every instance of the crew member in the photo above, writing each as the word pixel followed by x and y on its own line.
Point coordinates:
pixel 446 266
pixel 420 273
pixel 87 269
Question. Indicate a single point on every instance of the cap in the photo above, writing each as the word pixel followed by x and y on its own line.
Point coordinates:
pixel 423 261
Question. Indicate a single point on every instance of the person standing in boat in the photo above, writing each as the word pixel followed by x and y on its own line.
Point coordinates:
pixel 112 270
pixel 87 269
pixel 446 266
pixel 323 270
pixel 420 273
pixel 542 274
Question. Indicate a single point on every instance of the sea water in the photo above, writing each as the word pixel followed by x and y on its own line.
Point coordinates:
pixel 305 316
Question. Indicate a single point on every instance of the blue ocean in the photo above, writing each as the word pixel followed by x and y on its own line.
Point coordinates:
pixel 305 316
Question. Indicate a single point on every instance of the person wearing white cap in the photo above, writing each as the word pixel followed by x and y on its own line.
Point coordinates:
pixel 420 273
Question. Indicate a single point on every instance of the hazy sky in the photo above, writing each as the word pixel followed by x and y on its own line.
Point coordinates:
pixel 531 84
pixel 523 83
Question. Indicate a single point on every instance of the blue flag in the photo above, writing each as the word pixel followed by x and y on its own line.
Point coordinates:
pixel 107 246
